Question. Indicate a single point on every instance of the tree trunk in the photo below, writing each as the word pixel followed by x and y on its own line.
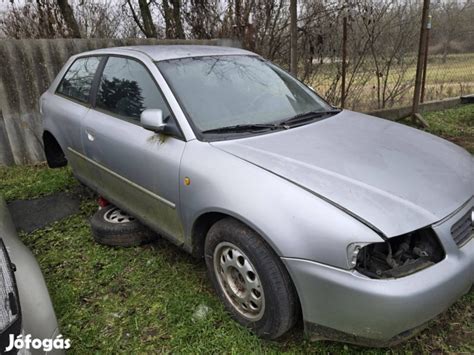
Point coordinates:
pixel 172 14
pixel 168 20
pixel 46 25
pixel 68 15
pixel 238 19
pixel 293 38
pixel 178 26
pixel 149 28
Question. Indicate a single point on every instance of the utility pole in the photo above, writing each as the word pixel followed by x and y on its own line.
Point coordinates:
pixel 415 114
pixel 293 38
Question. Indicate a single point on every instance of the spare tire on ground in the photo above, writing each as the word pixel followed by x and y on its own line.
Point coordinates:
pixel 112 226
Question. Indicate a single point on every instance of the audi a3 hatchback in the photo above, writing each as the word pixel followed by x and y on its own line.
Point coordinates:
pixel 361 226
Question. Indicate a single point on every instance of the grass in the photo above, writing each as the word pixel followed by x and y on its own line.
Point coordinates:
pixel 21 182
pixel 146 299
pixel 456 125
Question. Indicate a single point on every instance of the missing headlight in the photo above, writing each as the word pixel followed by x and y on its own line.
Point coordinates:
pixel 400 256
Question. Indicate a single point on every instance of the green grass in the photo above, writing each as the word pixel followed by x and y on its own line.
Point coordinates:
pixel 456 124
pixel 22 182
pixel 144 299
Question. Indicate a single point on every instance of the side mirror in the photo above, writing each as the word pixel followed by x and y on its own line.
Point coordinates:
pixel 152 119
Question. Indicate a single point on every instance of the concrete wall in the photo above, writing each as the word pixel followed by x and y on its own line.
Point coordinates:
pixel 27 67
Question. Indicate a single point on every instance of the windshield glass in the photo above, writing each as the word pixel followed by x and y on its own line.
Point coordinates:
pixel 222 91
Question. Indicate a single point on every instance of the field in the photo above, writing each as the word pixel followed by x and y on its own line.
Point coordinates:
pixel 156 298
pixel 454 77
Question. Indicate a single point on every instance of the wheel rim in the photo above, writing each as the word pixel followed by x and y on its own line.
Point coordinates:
pixel 239 281
pixel 116 215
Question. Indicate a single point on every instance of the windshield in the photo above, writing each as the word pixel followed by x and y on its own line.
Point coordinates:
pixel 222 91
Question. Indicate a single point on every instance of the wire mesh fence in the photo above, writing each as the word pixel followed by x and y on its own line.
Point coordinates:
pixel 447 76
pixel 382 48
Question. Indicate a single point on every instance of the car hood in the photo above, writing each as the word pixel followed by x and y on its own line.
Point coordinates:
pixel 394 177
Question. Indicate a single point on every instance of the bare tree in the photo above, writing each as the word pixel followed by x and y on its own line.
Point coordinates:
pixel 391 32
pixel 103 19
pixel 40 19
pixel 203 18
pixel 453 23
pixel 69 18
pixel 145 20
pixel 173 21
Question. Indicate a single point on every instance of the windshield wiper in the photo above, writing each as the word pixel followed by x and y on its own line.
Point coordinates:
pixel 285 124
pixel 252 127
pixel 308 116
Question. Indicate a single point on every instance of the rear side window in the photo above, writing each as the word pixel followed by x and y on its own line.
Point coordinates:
pixel 127 88
pixel 78 80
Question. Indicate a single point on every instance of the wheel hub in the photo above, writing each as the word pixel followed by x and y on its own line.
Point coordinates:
pixel 116 215
pixel 239 281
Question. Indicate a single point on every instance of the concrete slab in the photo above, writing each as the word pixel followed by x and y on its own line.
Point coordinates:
pixel 29 215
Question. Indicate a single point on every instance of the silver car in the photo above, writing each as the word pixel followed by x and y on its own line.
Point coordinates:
pixel 361 225
pixel 28 324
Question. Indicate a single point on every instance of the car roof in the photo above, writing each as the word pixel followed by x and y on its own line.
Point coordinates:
pixel 166 52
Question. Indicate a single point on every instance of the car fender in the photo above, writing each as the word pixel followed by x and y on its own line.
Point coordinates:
pixel 293 221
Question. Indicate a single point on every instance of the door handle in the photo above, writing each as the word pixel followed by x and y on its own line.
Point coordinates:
pixel 90 136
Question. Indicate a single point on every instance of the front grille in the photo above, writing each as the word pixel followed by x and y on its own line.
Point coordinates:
pixel 462 230
pixel 9 302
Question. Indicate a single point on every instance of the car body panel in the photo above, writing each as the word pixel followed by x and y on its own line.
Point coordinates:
pixel 167 52
pixel 290 219
pixel 383 309
pixel 151 193
pixel 397 178
pixel 38 317
pixel 68 120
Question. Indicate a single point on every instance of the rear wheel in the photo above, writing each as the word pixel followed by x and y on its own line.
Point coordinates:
pixel 112 226
pixel 250 279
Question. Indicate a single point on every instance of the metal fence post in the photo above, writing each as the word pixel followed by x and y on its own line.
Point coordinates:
pixel 415 114
pixel 344 64
pixel 425 62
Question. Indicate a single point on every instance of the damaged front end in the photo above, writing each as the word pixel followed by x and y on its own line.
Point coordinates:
pixel 400 256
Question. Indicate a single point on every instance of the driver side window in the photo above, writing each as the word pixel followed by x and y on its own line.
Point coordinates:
pixel 126 89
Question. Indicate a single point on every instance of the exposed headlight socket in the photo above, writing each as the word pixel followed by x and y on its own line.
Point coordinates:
pixel 399 256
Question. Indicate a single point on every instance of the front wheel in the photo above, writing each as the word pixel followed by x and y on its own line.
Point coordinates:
pixel 250 279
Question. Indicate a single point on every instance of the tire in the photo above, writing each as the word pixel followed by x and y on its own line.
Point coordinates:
pixel 110 226
pixel 263 279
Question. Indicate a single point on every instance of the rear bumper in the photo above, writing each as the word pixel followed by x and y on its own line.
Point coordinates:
pixel 347 306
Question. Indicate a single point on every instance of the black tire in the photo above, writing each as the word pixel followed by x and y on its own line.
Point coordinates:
pixel 281 306
pixel 127 234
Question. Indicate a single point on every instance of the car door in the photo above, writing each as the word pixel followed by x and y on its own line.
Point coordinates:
pixel 137 169
pixel 69 106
